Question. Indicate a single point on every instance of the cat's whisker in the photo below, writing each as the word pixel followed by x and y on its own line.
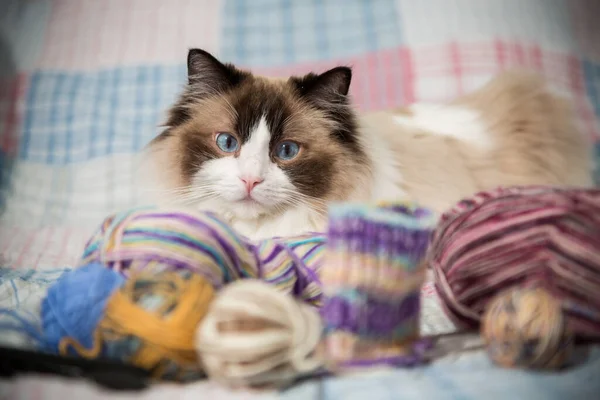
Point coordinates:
pixel 186 189
pixel 230 108
pixel 190 196
pixel 172 190
pixel 299 201
pixel 192 200
pixel 197 196
pixel 307 200
pixel 196 192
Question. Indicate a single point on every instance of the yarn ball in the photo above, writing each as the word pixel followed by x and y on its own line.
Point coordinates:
pixel 526 328
pixel 171 239
pixel 151 322
pixel 521 237
pixel 202 243
pixel 255 335
pixel 73 307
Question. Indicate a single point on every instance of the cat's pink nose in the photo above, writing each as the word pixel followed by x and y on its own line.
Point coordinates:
pixel 251 183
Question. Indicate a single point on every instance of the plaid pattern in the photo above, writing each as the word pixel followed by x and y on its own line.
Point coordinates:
pixel 85 83
pixel 72 117
pixel 75 117
pixel 281 32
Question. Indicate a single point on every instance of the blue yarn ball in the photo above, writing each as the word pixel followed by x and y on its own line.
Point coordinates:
pixel 75 304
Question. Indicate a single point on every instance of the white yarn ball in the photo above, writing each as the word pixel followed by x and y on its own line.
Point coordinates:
pixel 255 335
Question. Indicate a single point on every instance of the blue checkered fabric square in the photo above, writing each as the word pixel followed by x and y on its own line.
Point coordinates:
pixel 281 32
pixel 77 116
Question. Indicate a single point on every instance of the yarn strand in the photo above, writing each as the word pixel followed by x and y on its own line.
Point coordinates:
pixel 69 343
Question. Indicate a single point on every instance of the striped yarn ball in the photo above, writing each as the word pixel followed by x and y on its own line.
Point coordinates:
pixel 171 239
pixel 525 237
pixel 160 239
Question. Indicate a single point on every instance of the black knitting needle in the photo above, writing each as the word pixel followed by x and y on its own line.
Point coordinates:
pixel 107 373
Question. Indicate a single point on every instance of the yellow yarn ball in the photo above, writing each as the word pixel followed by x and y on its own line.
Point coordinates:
pixel 151 322
pixel 526 328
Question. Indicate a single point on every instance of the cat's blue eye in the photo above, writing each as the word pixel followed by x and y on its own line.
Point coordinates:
pixel 287 150
pixel 227 142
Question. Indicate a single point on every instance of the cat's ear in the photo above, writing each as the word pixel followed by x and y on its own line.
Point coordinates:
pixel 330 86
pixel 207 75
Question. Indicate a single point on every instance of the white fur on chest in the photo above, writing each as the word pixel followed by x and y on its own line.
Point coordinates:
pixel 293 222
pixel 460 123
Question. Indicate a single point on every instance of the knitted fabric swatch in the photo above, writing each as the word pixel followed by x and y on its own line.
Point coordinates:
pixel 371 278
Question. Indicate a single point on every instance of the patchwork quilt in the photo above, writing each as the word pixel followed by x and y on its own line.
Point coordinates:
pixel 84 85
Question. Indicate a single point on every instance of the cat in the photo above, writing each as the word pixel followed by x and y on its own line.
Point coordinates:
pixel 270 154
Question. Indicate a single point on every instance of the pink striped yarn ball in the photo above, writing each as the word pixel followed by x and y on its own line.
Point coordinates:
pixel 521 237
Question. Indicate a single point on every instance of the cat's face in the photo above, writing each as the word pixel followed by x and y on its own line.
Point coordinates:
pixel 251 146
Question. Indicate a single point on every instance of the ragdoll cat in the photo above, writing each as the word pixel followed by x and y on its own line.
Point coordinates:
pixel 269 155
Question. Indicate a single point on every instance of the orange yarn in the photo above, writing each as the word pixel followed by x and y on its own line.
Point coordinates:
pixel 69 342
pixel 151 322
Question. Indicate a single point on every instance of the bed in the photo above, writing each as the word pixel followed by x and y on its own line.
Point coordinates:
pixel 85 83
